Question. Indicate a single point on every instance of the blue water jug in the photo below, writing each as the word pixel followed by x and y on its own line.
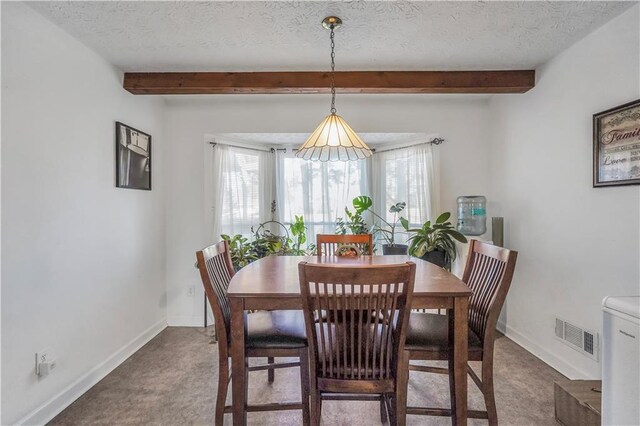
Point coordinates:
pixel 472 214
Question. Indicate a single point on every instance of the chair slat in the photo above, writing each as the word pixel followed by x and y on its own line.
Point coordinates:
pixel 345 347
pixel 360 321
pixel 322 327
pixel 365 333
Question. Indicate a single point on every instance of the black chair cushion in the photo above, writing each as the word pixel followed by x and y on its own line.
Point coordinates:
pixel 275 329
pixel 430 332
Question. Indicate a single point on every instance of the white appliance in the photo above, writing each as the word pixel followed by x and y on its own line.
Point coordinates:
pixel 621 361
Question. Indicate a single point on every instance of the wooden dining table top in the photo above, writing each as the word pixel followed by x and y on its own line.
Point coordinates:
pixel 277 276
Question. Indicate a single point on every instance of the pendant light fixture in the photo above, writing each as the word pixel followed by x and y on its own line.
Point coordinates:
pixel 333 139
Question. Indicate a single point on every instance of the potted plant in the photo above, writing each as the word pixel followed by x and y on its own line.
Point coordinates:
pixel 363 203
pixel 242 251
pixel 298 232
pixel 265 243
pixel 354 223
pixel 433 242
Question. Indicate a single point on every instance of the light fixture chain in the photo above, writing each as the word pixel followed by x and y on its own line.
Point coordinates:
pixel 333 71
pixel 333 139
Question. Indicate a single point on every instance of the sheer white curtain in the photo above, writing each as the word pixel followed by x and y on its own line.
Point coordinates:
pixel 243 189
pixel 318 190
pixel 410 175
pixel 245 182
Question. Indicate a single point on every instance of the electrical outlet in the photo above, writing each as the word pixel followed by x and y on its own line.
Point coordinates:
pixel 191 291
pixel 45 362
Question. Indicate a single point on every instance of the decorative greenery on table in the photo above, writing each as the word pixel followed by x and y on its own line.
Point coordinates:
pixel 437 236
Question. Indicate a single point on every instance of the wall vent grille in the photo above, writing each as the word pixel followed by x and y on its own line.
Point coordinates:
pixel 584 341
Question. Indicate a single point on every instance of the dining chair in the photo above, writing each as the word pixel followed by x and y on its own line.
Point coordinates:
pixel 328 244
pixel 268 333
pixel 357 353
pixel 488 272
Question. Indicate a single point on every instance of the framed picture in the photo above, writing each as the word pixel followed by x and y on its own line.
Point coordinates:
pixel 133 158
pixel 616 146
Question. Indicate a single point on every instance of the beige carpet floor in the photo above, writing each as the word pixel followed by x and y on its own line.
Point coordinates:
pixel 172 381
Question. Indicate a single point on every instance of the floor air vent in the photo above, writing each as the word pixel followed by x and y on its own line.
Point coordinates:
pixel 584 341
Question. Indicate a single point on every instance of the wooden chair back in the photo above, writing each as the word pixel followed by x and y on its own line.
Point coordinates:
pixel 488 273
pixel 216 271
pixel 328 244
pixel 364 334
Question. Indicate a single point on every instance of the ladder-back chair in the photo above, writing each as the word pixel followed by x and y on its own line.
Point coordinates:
pixel 357 352
pixel 488 272
pixel 268 333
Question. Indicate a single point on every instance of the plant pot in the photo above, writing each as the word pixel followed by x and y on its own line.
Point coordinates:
pixel 436 257
pixel 394 249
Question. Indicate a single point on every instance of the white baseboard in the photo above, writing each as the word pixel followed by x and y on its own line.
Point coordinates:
pixel 186 321
pixel 543 354
pixel 55 405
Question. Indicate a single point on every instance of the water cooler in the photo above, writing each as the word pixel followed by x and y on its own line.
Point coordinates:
pixel 472 214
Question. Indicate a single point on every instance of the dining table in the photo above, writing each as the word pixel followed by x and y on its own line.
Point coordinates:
pixel 271 283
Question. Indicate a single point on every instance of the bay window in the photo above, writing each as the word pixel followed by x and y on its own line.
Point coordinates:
pixel 252 186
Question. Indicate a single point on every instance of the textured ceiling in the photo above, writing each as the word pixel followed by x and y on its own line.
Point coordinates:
pixel 273 35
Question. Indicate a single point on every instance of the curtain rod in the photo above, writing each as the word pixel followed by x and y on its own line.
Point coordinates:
pixel 434 141
pixel 271 150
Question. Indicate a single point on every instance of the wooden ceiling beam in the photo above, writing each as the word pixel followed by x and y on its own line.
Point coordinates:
pixel 209 83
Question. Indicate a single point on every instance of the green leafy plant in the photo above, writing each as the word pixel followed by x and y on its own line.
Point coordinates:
pixel 433 237
pixel 299 237
pixel 364 203
pixel 265 242
pixel 241 250
pixel 354 223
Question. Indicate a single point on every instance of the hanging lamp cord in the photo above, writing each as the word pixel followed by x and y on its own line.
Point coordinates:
pixel 333 71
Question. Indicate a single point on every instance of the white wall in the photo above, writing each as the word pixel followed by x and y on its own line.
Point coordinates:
pixel 577 244
pixel 462 121
pixel 83 263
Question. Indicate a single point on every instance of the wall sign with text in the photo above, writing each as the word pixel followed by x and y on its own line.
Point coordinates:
pixel 616 146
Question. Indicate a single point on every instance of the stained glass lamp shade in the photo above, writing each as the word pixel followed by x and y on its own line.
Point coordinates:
pixel 334 140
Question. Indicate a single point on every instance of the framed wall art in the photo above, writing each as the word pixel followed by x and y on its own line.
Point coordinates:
pixel 133 158
pixel 616 146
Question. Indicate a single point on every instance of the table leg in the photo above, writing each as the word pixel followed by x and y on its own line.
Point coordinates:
pixel 239 366
pixel 460 359
pixel 400 415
